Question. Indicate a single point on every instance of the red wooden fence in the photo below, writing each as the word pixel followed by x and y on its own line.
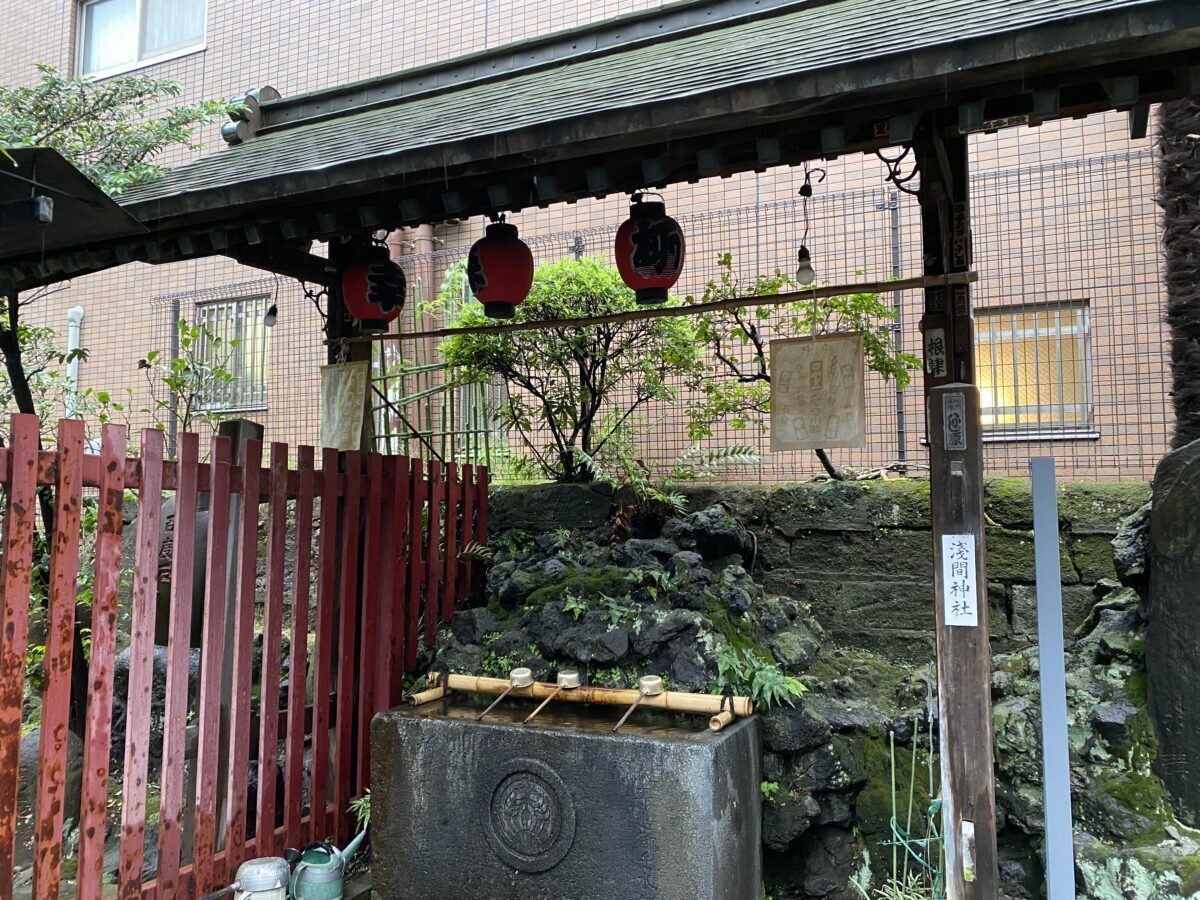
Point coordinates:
pixel 385 572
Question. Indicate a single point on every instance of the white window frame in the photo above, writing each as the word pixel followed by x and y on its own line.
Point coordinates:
pixel 1083 430
pixel 257 305
pixel 140 62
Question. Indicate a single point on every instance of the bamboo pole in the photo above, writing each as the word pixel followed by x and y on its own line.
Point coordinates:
pixel 673 701
pixel 720 720
pixel 917 282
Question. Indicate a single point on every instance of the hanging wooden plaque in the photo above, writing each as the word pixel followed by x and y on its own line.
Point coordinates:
pixel 818 393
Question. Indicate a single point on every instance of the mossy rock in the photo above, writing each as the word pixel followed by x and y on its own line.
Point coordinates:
pixel 1092 557
pixel 889 553
pixel 876 804
pixel 1084 507
pixel 1010 557
pixel 849 506
pixel 1009 502
pixel 1077 603
pixel 609 580
pixel 1097 508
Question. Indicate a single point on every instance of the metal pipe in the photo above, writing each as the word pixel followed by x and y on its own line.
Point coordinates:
pixel 71 401
pixel 172 398
pixel 893 206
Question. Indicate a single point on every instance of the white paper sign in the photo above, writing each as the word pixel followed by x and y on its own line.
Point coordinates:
pixel 959 595
pixel 818 393
pixel 344 389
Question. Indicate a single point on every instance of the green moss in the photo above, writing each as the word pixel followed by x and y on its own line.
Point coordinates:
pixel 1092 557
pixel 875 804
pixel 736 631
pixel 589 585
pixel 1142 793
pixel 1008 501
pixel 1188 869
pixel 1136 689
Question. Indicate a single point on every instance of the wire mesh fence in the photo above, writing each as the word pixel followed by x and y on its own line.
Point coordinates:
pixel 1070 340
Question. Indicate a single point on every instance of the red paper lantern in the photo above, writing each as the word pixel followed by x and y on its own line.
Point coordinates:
pixel 373 289
pixel 650 250
pixel 500 270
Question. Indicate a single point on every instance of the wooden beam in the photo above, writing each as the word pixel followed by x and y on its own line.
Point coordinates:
pixel 691 309
pixel 289 261
pixel 956 488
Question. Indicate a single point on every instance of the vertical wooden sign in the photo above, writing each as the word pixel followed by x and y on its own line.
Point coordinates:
pixel 963 650
pixel 956 489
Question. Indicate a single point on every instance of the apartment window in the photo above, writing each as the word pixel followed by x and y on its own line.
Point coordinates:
pixel 116 35
pixel 233 339
pixel 1033 367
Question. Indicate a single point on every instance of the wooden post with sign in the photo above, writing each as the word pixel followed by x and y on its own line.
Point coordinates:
pixel 956 488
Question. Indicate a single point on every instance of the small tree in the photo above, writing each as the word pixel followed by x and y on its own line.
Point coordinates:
pixel 736 385
pixel 111 132
pixel 563 382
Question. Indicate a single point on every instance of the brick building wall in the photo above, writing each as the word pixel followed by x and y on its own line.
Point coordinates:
pixel 1064 217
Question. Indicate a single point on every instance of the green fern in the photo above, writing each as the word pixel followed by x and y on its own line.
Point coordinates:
pixel 473 551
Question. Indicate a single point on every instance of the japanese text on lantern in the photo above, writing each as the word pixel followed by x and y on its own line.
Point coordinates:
pixel 959 597
pixel 656 246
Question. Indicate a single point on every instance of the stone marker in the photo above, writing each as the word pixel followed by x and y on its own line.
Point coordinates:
pixel 1173 635
pixel 563 809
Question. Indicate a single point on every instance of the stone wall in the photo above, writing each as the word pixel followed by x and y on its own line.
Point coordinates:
pixel 829 586
pixel 861 553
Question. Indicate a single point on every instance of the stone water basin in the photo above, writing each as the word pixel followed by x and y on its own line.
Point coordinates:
pixel 562 808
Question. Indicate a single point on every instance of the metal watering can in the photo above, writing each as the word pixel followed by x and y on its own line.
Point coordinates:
pixel 318 872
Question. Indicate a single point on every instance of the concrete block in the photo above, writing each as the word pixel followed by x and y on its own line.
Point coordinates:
pixel 563 809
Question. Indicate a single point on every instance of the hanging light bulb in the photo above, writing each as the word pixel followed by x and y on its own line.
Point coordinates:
pixel 805 274
pixel 272 316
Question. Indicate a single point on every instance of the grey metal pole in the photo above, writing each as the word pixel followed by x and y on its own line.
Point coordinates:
pixel 1056 764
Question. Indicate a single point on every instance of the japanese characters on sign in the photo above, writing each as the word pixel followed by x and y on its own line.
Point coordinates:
pixel 818 394
pixel 954 421
pixel 959 596
pixel 935 353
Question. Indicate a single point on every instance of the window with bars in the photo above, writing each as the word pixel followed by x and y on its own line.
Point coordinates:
pixel 1033 367
pixel 118 35
pixel 234 338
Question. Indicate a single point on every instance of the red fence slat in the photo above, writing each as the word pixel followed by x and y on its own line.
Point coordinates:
pixel 481 522
pixel 14 619
pixel 368 643
pixel 212 651
pixel 348 599
pixel 416 563
pixel 322 682
pixel 298 659
pixel 387 574
pixel 433 565
pixel 268 695
pixel 383 594
pixel 56 664
pixel 450 567
pixel 466 574
pixel 141 663
pixel 105 599
pixel 170 820
pixel 401 554
pixel 243 640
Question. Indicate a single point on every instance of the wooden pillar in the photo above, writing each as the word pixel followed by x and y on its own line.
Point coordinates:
pixel 341 325
pixel 956 486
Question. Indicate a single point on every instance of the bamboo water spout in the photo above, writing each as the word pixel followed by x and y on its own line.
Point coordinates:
pixel 671 701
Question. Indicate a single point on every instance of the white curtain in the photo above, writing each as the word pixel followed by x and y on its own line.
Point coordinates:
pixel 171 24
pixel 110 34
